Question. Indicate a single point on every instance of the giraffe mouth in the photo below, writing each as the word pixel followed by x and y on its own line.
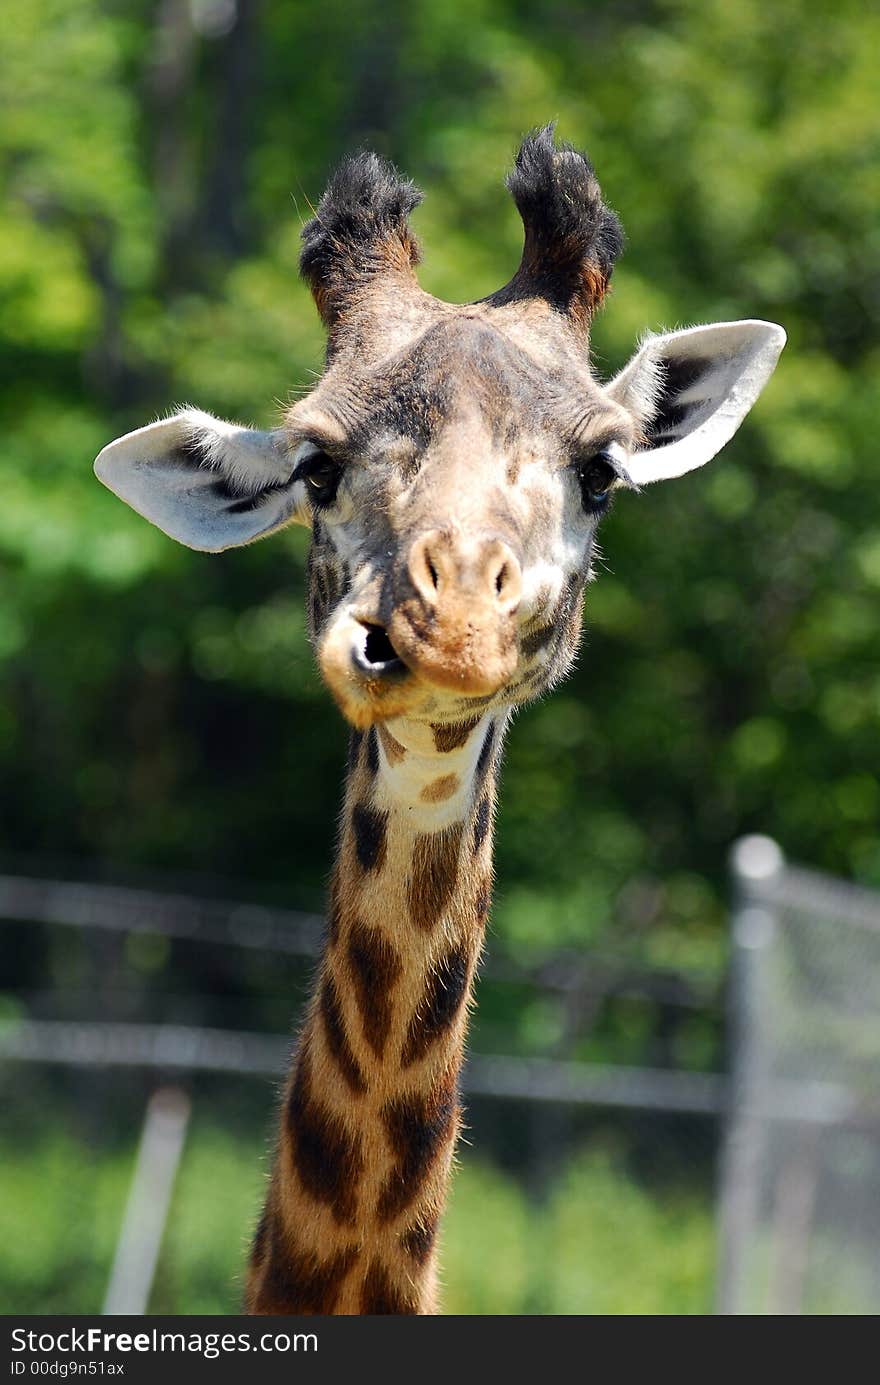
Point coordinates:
pixel 375 655
pixel 376 672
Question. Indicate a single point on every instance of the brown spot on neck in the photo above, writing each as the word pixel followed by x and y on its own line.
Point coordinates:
pixel 372 751
pixel 418 1128
pixel 381 1295
pixel 433 875
pixel 355 741
pixel 418 1239
pixel 486 751
pixel 369 825
pixel 450 737
pixel 337 1039
pixel 439 1006
pixel 294 1281
pixel 483 899
pixel 375 969
pixel 440 789
pixel 327 1157
pixel 482 822
pixel 394 751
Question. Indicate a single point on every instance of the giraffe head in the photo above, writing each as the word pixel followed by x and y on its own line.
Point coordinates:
pixel 454 461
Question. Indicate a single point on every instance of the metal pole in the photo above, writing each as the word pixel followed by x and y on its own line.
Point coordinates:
pixel 756 864
pixel 796 1187
pixel 140 1239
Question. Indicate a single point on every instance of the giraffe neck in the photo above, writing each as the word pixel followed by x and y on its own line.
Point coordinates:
pixel 371 1112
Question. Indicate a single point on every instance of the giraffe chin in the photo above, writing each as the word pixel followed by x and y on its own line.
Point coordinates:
pixel 371 682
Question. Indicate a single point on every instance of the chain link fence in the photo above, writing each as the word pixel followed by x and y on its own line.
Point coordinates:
pixel 800 1197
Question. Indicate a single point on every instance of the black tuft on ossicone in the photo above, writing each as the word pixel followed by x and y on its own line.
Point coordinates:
pixel 571 238
pixel 360 229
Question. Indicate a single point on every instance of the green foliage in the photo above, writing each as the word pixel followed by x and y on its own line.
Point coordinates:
pixel 59 1220
pixel 602 1245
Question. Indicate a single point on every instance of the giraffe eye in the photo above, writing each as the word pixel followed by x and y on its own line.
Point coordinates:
pixel 321 474
pixel 596 476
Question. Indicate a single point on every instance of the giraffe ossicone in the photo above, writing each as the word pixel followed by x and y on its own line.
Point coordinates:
pixel 453 462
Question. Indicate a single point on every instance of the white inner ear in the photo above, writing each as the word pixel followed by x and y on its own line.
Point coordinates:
pixel 209 484
pixel 694 387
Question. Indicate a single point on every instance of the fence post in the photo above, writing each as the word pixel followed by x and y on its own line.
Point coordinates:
pixel 755 864
pixel 137 1250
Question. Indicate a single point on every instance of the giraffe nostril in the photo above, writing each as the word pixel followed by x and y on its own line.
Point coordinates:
pixel 508 580
pixel 428 566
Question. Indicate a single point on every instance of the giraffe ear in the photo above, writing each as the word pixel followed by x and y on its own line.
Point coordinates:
pixel 209 484
pixel 691 390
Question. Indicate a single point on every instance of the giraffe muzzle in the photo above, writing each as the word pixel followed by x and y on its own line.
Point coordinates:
pixel 454 621
pixel 448 624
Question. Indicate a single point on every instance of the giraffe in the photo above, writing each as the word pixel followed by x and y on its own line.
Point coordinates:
pixel 453 462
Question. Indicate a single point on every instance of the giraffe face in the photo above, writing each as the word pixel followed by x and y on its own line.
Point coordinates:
pixel 456 486
pixel 454 461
